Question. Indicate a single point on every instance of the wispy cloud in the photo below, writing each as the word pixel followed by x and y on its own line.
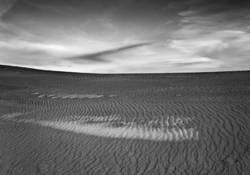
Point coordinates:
pixel 5 5
pixel 100 56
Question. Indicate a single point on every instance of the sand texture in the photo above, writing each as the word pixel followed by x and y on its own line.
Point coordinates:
pixel 55 123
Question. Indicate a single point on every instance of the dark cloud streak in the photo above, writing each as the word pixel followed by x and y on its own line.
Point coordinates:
pixel 99 56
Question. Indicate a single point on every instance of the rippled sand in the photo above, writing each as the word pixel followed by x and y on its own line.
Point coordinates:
pixel 62 123
pixel 116 129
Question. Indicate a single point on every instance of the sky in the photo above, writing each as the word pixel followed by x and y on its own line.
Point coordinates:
pixel 126 36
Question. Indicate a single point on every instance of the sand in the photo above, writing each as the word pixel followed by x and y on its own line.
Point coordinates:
pixel 66 123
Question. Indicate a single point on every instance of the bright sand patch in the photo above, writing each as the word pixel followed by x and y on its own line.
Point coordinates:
pixel 140 132
pixel 70 96
pixel 105 129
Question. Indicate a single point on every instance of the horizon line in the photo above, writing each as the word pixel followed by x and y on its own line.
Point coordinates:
pixel 142 73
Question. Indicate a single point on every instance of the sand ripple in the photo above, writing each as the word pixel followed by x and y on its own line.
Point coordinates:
pixel 108 126
pixel 70 96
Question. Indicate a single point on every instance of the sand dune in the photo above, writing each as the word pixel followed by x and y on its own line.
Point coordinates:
pixel 61 123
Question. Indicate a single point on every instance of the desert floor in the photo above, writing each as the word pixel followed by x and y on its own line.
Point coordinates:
pixel 66 123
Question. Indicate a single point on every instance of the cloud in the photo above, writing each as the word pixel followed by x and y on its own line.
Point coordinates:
pixel 224 46
pixel 192 46
pixel 5 6
pixel 100 56
pixel 222 36
pixel 187 13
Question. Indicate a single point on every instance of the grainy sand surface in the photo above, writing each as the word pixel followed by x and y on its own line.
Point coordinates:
pixel 64 123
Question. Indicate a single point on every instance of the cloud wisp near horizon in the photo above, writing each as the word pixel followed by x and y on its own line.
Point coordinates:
pixel 126 36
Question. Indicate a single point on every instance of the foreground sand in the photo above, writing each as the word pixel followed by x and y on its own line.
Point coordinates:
pixel 62 123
